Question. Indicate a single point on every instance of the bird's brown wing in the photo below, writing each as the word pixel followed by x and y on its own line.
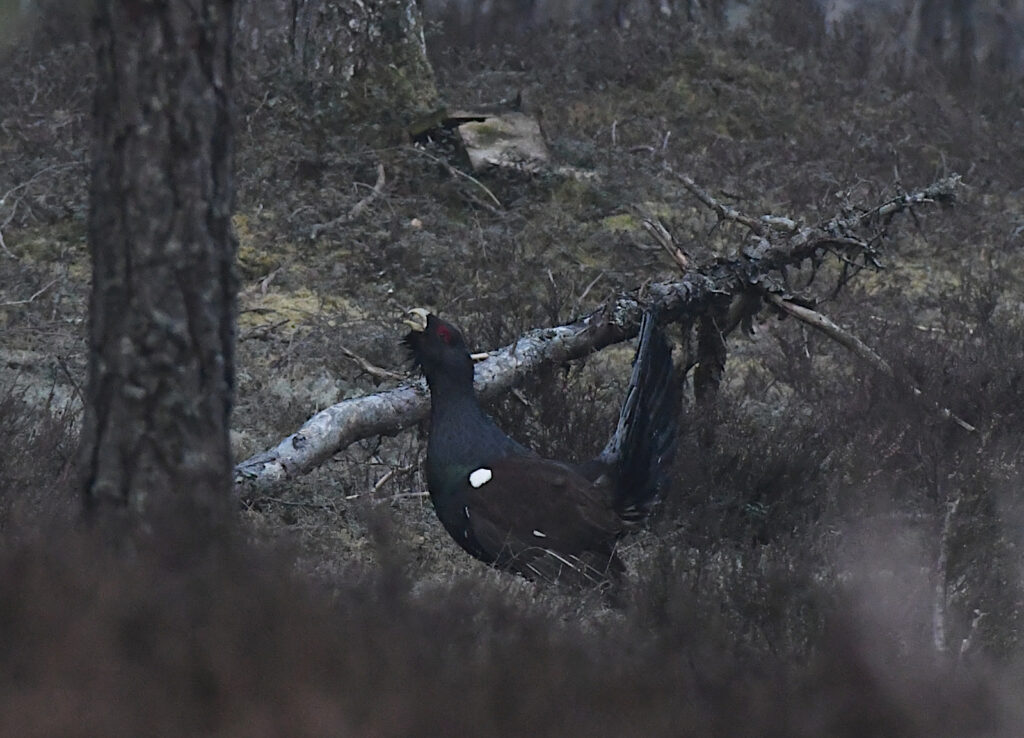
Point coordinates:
pixel 545 520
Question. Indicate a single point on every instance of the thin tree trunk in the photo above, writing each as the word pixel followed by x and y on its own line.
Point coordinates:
pixel 161 332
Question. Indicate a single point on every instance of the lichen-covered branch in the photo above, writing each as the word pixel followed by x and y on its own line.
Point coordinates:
pixel 388 412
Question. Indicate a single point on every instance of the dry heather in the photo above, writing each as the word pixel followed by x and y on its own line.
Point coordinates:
pixel 795 578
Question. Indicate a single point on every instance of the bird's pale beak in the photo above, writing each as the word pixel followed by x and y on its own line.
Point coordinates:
pixel 416 319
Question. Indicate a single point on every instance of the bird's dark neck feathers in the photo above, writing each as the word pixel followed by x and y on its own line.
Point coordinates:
pixel 461 433
pixel 447 387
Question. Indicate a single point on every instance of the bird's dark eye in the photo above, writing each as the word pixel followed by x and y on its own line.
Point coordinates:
pixel 444 334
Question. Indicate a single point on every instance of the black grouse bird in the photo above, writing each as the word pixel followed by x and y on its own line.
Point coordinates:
pixel 511 508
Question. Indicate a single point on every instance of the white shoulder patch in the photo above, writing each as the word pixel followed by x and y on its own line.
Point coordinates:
pixel 479 478
pixel 539 534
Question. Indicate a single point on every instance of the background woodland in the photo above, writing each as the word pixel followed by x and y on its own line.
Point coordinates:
pixel 834 557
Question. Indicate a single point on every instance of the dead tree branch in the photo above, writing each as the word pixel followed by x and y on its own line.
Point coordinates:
pixel 660 234
pixel 724 212
pixel 457 173
pixel 378 373
pixel 861 350
pixel 32 298
pixel 737 282
pixel 838 234
pixel 356 210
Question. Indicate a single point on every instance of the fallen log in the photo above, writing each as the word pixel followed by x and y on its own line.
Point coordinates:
pixel 757 269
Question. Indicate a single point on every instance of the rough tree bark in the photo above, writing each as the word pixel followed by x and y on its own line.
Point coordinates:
pixel 155 431
pixel 368 59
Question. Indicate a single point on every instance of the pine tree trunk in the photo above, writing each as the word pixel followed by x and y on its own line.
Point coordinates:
pixel 368 60
pixel 161 332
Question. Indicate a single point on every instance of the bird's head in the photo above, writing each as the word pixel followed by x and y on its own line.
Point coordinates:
pixel 437 348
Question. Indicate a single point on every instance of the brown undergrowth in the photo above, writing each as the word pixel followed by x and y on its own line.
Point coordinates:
pixel 834 559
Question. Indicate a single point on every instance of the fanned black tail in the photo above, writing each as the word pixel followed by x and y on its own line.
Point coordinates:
pixel 644 443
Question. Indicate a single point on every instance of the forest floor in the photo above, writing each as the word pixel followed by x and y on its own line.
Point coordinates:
pixel 796 577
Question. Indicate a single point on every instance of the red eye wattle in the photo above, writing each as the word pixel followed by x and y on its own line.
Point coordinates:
pixel 444 334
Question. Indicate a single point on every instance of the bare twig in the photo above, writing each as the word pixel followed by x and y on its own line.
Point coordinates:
pixel 664 238
pixel 384 479
pixel 858 348
pixel 839 229
pixel 70 376
pixel 458 173
pixel 586 291
pixel 378 189
pixel 372 369
pixel 390 474
pixel 941 599
pixel 262 332
pixel 780 223
pixel 725 212
pixel 295 503
pixel 518 394
pixel 37 293
pixel 3 245
pixel 356 210
pixel 404 495
pixel 27 182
